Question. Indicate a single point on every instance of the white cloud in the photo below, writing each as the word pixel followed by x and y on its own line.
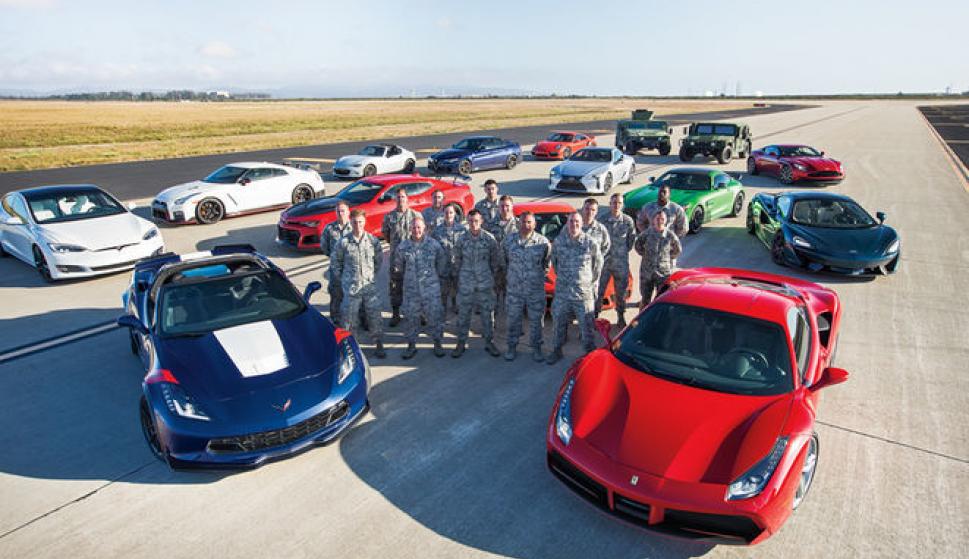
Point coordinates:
pixel 443 22
pixel 217 49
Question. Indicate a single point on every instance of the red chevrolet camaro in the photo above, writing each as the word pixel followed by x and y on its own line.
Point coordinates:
pixel 698 419
pixel 300 226
pixel 562 144
pixel 792 163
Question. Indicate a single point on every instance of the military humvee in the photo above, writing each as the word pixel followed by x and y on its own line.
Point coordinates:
pixel 642 132
pixel 723 140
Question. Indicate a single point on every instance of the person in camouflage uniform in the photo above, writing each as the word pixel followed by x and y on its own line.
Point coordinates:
pixel 434 214
pixel 332 233
pixel 622 237
pixel 488 206
pixel 527 255
pixel 506 224
pixel 356 260
pixel 478 259
pixel 659 248
pixel 394 229
pixel 447 234
pixel 421 261
pixel 577 263
pixel 675 215
pixel 598 232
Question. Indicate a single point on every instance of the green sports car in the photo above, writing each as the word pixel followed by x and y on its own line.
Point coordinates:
pixel 704 194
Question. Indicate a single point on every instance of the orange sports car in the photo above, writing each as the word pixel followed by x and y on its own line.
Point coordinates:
pixel 561 144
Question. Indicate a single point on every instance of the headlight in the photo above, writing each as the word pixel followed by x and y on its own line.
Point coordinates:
pixel 310 223
pixel 63 248
pixel 892 248
pixel 184 199
pixel 798 241
pixel 151 234
pixel 180 403
pixel 800 167
pixel 563 417
pixel 348 360
pixel 753 481
pixel 553 173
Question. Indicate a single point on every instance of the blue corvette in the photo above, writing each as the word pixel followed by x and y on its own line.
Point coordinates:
pixel 476 153
pixel 241 369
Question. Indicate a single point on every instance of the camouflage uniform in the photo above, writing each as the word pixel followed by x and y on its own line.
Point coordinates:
pixel 527 264
pixel 600 235
pixel 622 236
pixel 433 217
pixel 659 250
pixel 421 265
pixel 501 230
pixel 395 228
pixel 489 211
pixel 448 237
pixel 331 234
pixel 675 217
pixel 577 263
pixel 478 260
pixel 356 263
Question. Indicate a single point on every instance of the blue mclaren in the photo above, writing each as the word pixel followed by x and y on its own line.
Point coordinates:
pixel 240 368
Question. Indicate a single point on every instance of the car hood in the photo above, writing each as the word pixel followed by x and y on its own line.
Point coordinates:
pixel 348 160
pixel 850 243
pixel 672 430
pixel 645 132
pixel 312 208
pixel 238 374
pixel 580 168
pixel 686 198
pixel 169 195
pixel 815 163
pixel 451 153
pixel 99 232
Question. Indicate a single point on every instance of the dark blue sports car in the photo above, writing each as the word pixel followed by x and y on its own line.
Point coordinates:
pixel 241 369
pixel 476 153
pixel 823 231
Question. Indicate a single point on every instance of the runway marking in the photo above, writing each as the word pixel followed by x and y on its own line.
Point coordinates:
pixel 802 125
pixel 56 341
pixel 428 150
pixel 894 442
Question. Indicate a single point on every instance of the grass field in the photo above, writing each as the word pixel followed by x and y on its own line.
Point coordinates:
pixel 44 134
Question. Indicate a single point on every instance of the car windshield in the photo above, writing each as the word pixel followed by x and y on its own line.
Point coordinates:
pixel 71 205
pixel 597 155
pixel 470 143
pixel 798 151
pixel 709 349
pixel 717 129
pixel 375 151
pixel 359 192
pixel 226 175
pixel 685 181
pixel 220 298
pixel 656 125
pixel 834 213
pixel 560 137
pixel 550 224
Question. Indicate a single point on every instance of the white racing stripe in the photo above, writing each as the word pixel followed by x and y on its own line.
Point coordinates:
pixel 255 349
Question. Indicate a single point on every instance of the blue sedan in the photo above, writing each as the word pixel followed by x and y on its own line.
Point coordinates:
pixel 476 153
pixel 240 368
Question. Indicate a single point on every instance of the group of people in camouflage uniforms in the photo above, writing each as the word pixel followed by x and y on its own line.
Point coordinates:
pixel 495 260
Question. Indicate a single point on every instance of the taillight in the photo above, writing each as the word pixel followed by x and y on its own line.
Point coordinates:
pixel 155 376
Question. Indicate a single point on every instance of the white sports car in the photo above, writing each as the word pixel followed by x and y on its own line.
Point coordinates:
pixel 235 189
pixel 592 170
pixel 74 231
pixel 376 159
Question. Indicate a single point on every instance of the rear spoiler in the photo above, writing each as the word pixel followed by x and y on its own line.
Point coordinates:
pixel 219 250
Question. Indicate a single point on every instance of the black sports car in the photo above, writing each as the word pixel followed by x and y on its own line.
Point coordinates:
pixel 823 231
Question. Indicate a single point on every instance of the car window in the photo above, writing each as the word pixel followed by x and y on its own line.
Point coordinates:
pixel 680 180
pixel 784 205
pixel 394 150
pixel 280 172
pixel 550 224
pixel 771 151
pixel 832 213
pixel 72 205
pixel 800 333
pixel 15 207
pixel 373 151
pixel 259 173
pixel 225 175
pixel 415 188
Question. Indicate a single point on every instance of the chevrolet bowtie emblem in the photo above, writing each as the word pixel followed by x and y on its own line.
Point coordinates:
pixel 634 480
pixel 283 407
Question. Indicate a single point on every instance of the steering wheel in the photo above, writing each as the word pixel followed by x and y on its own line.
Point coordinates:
pixel 755 358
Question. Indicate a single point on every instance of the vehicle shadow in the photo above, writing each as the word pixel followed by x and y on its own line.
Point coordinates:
pixel 471 466
pixel 262 237
pixel 16 273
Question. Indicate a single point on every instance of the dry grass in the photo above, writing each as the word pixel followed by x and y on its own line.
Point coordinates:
pixel 43 134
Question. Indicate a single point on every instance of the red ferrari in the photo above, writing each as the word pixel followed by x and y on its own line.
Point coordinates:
pixel 300 226
pixel 562 144
pixel 698 419
pixel 550 218
pixel 792 163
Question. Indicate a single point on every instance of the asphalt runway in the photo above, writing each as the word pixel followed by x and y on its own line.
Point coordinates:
pixel 450 462
pixel 143 179
pixel 951 122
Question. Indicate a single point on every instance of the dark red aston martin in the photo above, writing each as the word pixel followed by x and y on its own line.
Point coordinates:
pixel 793 163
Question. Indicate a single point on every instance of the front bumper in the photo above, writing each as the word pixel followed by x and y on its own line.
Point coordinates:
pixel 586 184
pixel 295 235
pixel 820 262
pixel 162 211
pixel 348 172
pixel 448 166
pixel 94 263
pixel 647 143
pixel 547 154
pixel 818 176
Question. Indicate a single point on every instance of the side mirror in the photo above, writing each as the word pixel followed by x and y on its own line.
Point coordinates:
pixel 244 181
pixel 131 322
pixel 12 220
pixel 881 217
pixel 822 154
pixel 652 179
pixel 830 377
pixel 311 288
pixel 603 326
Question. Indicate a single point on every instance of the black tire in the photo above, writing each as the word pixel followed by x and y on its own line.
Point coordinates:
pixel 303 193
pixel 369 170
pixel 40 262
pixel 786 175
pixel 751 166
pixel 209 210
pixel 696 220
pixel 777 250
pixel 738 205
pixel 465 167
pixel 630 148
pixel 725 155
pixel 632 171
pixel 607 183
pixel 664 149
pixel 150 432
pixel 133 343
pixel 750 221
pixel 746 152
pixel 566 153
pixel 686 155
pixel 410 166
pixel 808 469
pixel 511 161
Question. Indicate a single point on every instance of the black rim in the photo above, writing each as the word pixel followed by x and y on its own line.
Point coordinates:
pixel 608 183
pixel 369 170
pixel 696 221
pixel 410 166
pixel 210 211
pixel 786 175
pixel 512 161
pixel 566 153
pixel 148 429
pixel 301 195
pixel 738 204
pixel 751 165
pixel 41 264
pixel 777 250
pixel 750 222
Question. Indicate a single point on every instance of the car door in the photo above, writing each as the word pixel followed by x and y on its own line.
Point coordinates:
pixel 16 237
pixel 381 205
pixel 496 153
pixel 721 199
pixel 393 160
pixel 769 162
pixel 254 189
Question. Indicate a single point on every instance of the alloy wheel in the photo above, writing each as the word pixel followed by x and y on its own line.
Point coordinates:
pixel 41 264
pixel 807 472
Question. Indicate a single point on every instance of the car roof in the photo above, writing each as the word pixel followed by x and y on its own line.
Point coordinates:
pixel 57 188
pixel 543 208
pixel 482 138
pixel 791 145
pixel 811 195
pixel 694 170
pixel 737 294
pixel 253 164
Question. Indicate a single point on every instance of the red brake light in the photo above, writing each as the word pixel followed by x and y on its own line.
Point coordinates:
pixel 340 334
pixel 155 376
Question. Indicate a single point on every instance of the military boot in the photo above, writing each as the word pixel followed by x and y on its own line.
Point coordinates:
pixel 537 355
pixel 491 349
pixel 395 319
pixel 554 357
pixel 458 349
pixel 438 349
pixel 512 353
pixel 379 350
pixel 411 351
pixel 621 323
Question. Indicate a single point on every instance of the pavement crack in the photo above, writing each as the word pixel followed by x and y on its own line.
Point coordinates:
pixel 896 443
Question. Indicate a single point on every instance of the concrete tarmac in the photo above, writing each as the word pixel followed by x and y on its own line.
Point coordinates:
pixel 450 462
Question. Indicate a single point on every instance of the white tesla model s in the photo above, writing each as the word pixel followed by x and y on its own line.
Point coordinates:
pixel 73 231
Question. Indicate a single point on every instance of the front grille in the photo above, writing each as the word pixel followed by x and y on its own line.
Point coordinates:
pixel 116 248
pixel 825 174
pixel 341 171
pixel 700 524
pixel 571 183
pixel 127 264
pixel 582 484
pixel 631 510
pixel 280 437
pixel 287 235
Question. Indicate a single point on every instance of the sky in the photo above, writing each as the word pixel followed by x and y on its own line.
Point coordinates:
pixel 394 47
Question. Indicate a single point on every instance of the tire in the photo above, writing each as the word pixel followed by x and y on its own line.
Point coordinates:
pixel 464 167
pixel 133 343
pixel 209 210
pixel 302 193
pixel 410 166
pixel 696 220
pixel 630 148
pixel 751 166
pixel 150 432
pixel 607 183
pixel 808 470
pixel 750 221
pixel 746 153
pixel 43 268
pixel 686 155
pixel 738 205
pixel 664 149
pixel 786 175
pixel 725 155
pixel 369 171
pixel 777 250
pixel 511 162
pixel 566 153
pixel 629 177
